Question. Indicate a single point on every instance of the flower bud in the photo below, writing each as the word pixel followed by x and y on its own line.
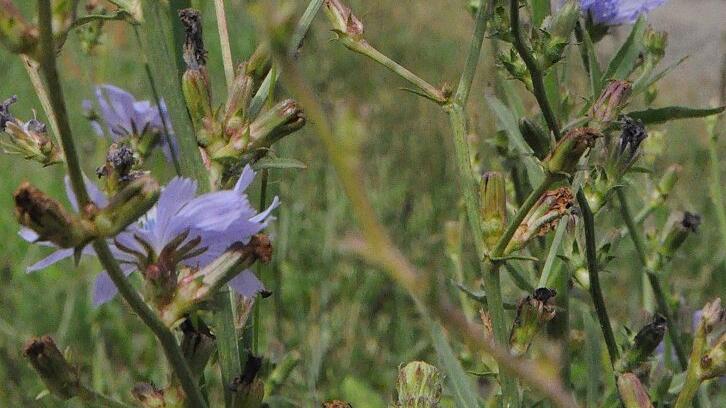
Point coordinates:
pixel 44 215
pixel 643 346
pixel 535 136
pixel 336 404
pixel 678 233
pixel 240 94
pixel 668 181
pixel 570 149
pixel 284 118
pixel 611 101
pixel 419 384
pixel 260 63
pixel 542 218
pixel 555 34
pixel 57 374
pixel 29 139
pixel 195 81
pixel 632 392
pixel 564 20
pixel 713 364
pixel 135 200
pixel 532 313
pixel 118 170
pixel 655 43
pixel 493 206
pixel 344 22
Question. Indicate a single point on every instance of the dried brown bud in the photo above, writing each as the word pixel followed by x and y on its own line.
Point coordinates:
pixel 195 55
pixel 343 20
pixel 611 101
pixel 61 379
pixel 570 149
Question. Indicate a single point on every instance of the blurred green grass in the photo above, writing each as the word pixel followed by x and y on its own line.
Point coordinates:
pixel 351 324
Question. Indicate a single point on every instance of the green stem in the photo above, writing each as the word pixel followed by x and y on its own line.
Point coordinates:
pixel 716 184
pixel 592 269
pixel 224 42
pixel 692 381
pixel 534 71
pixel 57 102
pixel 660 296
pixel 472 59
pixel 94 399
pixel 256 322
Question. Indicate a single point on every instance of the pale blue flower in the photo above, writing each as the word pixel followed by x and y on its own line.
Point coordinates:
pixel 614 12
pixel 123 117
pixel 203 226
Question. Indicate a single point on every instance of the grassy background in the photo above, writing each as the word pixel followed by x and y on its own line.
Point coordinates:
pixel 350 324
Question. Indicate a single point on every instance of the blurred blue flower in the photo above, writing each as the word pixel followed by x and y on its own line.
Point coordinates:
pixel 125 117
pixel 181 228
pixel 614 12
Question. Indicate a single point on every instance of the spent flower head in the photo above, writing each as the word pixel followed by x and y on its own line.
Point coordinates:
pixel 419 384
pixel 28 139
pixel 533 312
pixel 644 344
pixel 542 218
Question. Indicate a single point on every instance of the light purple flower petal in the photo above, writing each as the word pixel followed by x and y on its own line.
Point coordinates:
pixel 245 179
pixel 104 289
pixel 247 284
pixel 614 12
pixel 94 193
pixel 50 260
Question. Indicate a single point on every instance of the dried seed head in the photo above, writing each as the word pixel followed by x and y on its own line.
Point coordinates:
pixel 58 375
pixel 419 384
pixel 195 55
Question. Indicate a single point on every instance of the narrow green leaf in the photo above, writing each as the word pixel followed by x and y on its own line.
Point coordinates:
pixel 230 363
pixel 540 10
pixel 271 162
pixel 661 115
pixel 464 392
pixel 643 83
pixel 258 101
pixel 304 24
pixel 156 37
pixel 508 121
pixel 624 61
pixel 592 63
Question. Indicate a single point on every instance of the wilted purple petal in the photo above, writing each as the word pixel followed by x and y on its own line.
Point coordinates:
pixel 247 284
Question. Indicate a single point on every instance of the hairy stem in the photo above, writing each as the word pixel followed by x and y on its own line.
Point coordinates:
pixel 57 102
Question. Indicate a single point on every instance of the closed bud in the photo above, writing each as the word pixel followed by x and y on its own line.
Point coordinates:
pixel 419 384
pixel 260 63
pixel 677 234
pixel 535 136
pixel 713 364
pixel 564 20
pixel 611 101
pixel 240 94
pixel 198 98
pixel 555 35
pixel 57 374
pixel 643 346
pixel 542 218
pixel 198 344
pixel 133 201
pixel 668 181
pixel 336 404
pixel 343 20
pixel 493 206
pixel 118 170
pixel 655 43
pixel 632 392
pixel 532 314
pixel 284 118
pixel 570 149
pixel 47 217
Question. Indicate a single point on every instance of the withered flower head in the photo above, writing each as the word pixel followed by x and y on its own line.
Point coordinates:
pixel 612 99
pixel 533 312
pixel 570 149
pixel 343 19
pixel 195 55
pixel 58 375
pixel 644 344
pixel 5 115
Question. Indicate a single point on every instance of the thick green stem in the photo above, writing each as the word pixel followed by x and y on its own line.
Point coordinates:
pixel 57 102
pixel 534 70
pixel 660 296
pixel 592 269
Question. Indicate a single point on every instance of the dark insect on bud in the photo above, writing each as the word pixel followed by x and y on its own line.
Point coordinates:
pixel 632 136
pixel 644 344
pixel 5 115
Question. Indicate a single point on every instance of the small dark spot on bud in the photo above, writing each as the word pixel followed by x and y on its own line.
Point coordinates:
pixel 691 221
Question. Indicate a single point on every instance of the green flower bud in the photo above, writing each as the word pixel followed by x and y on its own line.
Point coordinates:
pixel 240 94
pixel 669 179
pixel 713 364
pixel 135 200
pixel 493 206
pixel 563 21
pixel 677 234
pixel 643 346
pixel 611 101
pixel 419 384
pixel 555 35
pixel 632 392
pixel 535 136
pixel 44 215
pixel 532 314
pixel 57 374
pixel 284 118
pixel 655 43
pixel 259 63
pixel 336 404
pixel 542 218
pixel 195 81
pixel 570 149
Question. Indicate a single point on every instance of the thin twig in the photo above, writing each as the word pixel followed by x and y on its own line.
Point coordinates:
pixel 224 42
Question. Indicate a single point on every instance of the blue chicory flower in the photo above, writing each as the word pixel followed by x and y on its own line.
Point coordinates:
pixel 123 116
pixel 209 224
pixel 615 12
